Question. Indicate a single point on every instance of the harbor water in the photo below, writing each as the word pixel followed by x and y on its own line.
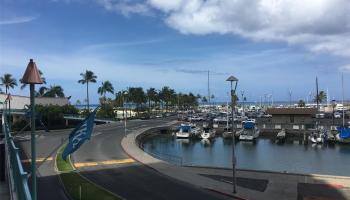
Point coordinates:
pixel 264 154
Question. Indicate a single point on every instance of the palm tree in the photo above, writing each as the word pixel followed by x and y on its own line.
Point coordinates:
pixel 54 91
pixel 301 103
pixel 152 95
pixel 41 76
pixel 321 97
pixel 8 82
pixel 42 90
pixel 105 87
pixel 87 77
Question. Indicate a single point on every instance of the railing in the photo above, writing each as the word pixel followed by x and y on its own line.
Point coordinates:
pixel 18 178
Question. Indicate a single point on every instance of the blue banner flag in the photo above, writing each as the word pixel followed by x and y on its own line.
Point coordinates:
pixel 78 136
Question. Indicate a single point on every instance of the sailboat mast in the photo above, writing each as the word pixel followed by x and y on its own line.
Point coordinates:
pixel 208 87
pixel 317 95
pixel 342 86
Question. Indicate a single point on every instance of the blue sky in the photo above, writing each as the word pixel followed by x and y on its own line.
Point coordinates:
pixel 155 43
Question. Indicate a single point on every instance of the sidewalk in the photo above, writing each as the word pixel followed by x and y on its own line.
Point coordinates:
pixel 4 191
pixel 251 184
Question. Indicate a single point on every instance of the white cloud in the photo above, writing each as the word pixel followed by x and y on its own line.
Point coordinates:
pixel 125 7
pixel 345 68
pixel 318 25
pixel 17 20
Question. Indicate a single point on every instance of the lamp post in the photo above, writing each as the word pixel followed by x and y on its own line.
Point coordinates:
pixel 125 116
pixel 232 79
pixel 31 76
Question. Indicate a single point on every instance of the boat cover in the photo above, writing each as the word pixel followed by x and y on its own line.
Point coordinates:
pixel 344 132
pixel 185 128
pixel 249 125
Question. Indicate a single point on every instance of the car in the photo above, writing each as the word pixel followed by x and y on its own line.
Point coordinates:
pixel 195 118
pixel 337 115
pixel 320 115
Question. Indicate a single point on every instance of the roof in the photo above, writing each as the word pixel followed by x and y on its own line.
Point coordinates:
pixel 291 111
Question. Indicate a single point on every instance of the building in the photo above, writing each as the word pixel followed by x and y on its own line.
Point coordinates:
pixel 292 115
pixel 21 102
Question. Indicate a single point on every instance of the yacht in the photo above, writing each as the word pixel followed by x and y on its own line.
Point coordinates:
pixel 184 131
pixel 281 136
pixel 250 131
pixel 208 133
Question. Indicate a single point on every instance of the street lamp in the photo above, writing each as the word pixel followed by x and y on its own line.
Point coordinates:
pixel 232 79
pixel 126 112
pixel 31 76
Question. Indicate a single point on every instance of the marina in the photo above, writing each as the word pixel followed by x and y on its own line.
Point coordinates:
pixel 264 154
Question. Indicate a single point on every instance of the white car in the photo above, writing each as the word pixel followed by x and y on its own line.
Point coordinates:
pixel 337 115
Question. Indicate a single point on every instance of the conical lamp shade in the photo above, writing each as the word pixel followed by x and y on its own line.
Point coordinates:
pixel 32 75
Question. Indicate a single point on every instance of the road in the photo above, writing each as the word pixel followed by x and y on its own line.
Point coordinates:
pixel 128 178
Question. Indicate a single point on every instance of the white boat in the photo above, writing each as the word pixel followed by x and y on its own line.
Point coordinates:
pixel 250 131
pixel 184 131
pixel 281 135
pixel 195 131
pixel 238 133
pixel 317 137
pixel 207 133
pixel 227 134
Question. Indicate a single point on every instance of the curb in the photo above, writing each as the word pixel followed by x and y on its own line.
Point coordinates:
pixel 152 168
pixel 225 194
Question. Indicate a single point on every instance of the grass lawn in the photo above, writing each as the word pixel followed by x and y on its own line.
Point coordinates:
pixel 78 187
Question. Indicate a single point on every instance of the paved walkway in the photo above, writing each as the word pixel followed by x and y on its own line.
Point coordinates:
pixel 251 184
pixel 4 191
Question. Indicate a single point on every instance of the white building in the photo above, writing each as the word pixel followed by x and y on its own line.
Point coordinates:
pixel 21 102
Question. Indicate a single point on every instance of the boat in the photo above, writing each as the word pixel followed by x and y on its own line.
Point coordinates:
pixel 250 131
pixel 329 137
pixel 207 133
pixel 228 132
pixel 195 131
pixel 343 135
pixel 184 131
pixel 317 136
pixel 281 136
pixel 238 133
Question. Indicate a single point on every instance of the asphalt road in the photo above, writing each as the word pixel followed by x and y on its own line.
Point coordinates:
pixel 129 180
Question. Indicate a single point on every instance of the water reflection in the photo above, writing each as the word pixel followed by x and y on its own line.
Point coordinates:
pixel 265 154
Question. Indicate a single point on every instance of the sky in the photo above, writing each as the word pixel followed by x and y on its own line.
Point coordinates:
pixel 271 46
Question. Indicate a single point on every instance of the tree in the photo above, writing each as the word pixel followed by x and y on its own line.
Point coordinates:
pixel 204 99
pixel 87 77
pixel 78 103
pixel 42 91
pixel 321 97
pixel 54 91
pixel 137 96
pixel 152 96
pixel 166 94
pixel 105 87
pixel 8 82
pixel 301 103
pixel 24 85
